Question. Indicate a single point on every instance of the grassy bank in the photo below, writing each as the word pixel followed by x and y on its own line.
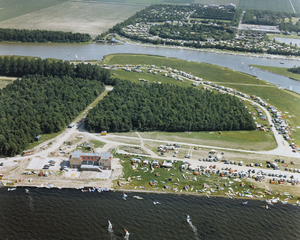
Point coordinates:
pixel 172 180
pixel 279 70
pixel 284 100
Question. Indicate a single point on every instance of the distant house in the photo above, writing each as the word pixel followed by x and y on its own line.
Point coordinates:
pixel 90 161
pixel 38 138
pixel 230 5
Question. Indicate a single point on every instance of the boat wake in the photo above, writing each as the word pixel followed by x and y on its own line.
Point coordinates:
pixel 195 230
pixel 110 230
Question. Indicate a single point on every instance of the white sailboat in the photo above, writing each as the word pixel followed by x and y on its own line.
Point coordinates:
pixel 126 234
pixel 76 57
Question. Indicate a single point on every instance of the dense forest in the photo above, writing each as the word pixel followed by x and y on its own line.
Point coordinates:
pixel 24 35
pixel 38 104
pixel 161 107
pixel 18 67
pixel 198 32
pixel 282 19
pixel 49 96
pixel 214 13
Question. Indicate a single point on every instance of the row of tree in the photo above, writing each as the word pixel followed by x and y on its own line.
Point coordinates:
pixel 214 13
pixel 18 67
pixel 24 35
pixel 294 70
pixel 265 17
pixel 161 107
pixel 37 104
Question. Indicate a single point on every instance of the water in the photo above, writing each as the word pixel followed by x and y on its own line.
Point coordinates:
pixel 97 51
pixel 288 41
pixel 71 214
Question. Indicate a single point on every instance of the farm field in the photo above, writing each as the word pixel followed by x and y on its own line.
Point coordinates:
pixel 296 5
pixel 84 17
pixel 236 2
pixel 15 8
pixel 272 5
pixel 146 2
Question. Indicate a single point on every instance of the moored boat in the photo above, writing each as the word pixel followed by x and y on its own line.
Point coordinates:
pixel 11 189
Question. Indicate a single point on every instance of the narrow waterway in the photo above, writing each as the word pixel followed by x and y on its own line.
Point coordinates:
pixel 97 51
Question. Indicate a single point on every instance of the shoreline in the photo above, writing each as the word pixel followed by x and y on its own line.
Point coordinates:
pixel 263 199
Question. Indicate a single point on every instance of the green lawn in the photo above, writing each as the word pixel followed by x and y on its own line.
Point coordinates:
pixel 134 77
pixel 97 144
pixel 203 70
pixel 45 137
pixel 285 101
pixel 167 180
pixel 248 140
pixel 279 70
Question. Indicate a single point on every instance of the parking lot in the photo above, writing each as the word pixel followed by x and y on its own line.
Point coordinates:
pixel 38 163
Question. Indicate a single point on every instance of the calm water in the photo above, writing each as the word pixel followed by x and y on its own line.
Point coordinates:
pixel 288 40
pixel 71 214
pixel 97 51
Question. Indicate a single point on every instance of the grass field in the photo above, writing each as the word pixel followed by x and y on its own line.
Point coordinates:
pixel 272 5
pixel 279 70
pixel 248 140
pixel 172 180
pixel 284 100
pixel 85 17
pixel 204 70
pixel 97 143
pixel 15 8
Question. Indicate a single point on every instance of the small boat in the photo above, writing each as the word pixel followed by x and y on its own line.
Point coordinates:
pixel 155 203
pixel 188 218
pixel 26 190
pixel 126 234
pixel 124 198
pixel 109 225
pixel 137 197
pixel 11 189
pixel 244 203
pixel 125 195
pixel 267 207
pixel 281 62
pixel 207 196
